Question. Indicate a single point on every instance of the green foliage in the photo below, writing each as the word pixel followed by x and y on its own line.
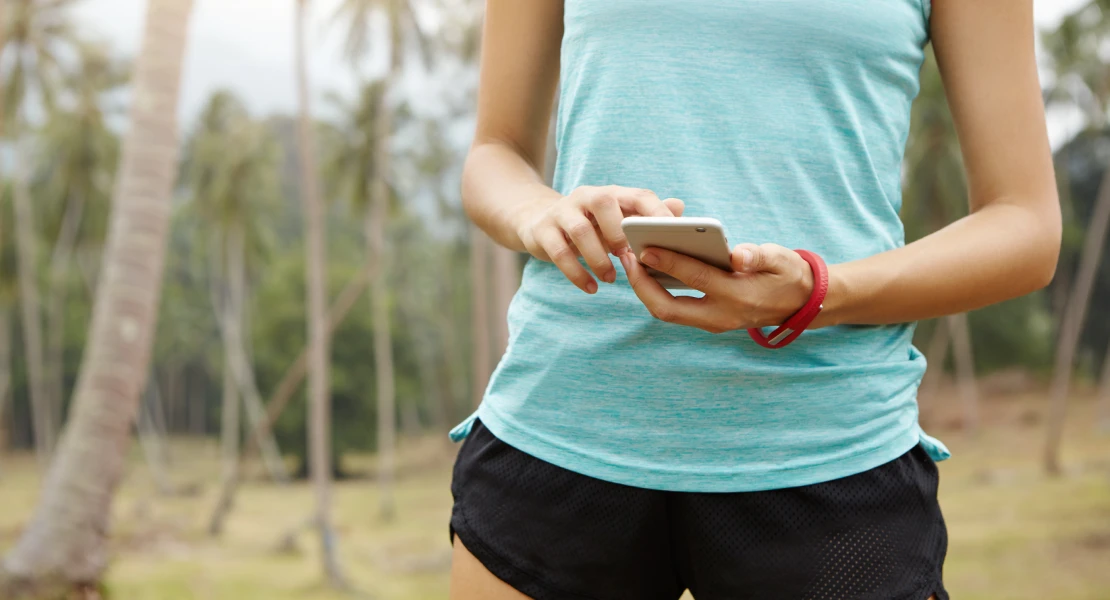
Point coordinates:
pixel 37 39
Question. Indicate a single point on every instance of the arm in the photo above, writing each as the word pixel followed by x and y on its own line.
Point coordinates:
pixel 1006 247
pixel 1009 244
pixel 503 188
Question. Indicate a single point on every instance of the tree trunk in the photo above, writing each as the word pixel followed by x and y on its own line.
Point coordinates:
pixel 54 372
pixel 965 369
pixel 935 357
pixel 289 383
pixel 43 421
pixel 64 546
pixel 5 375
pixel 232 330
pixel 506 280
pixel 380 188
pixel 229 406
pixel 319 395
pixel 479 314
pixel 196 403
pixel 383 341
pixel 157 409
pixel 152 442
pixel 1072 326
pixel 238 365
pixel 175 399
pixel 453 357
pixel 1103 394
pixel 296 372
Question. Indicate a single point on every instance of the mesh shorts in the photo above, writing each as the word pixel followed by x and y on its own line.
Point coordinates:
pixel 557 535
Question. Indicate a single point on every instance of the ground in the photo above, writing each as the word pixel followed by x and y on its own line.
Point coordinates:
pixel 1015 533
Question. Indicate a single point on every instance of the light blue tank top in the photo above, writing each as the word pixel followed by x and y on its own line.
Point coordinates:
pixel 787 121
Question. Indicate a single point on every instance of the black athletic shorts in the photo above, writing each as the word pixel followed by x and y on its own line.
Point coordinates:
pixel 557 535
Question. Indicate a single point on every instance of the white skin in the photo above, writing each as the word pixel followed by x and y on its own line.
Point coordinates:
pixel 1006 247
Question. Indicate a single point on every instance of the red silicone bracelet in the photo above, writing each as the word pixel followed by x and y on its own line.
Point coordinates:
pixel 797 323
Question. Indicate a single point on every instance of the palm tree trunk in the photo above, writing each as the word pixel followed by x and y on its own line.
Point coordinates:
pixel 453 363
pixel 54 383
pixel 5 374
pixel 1072 326
pixel 506 280
pixel 935 357
pixel 289 383
pixel 64 546
pixel 319 395
pixel 479 314
pixel 42 420
pixel 152 442
pixel 242 376
pixel 376 229
pixel 229 405
pixel 1103 394
pixel 241 370
pixel 296 372
pixel 383 344
pixel 965 369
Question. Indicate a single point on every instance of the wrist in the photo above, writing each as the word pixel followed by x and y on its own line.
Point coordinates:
pixel 835 299
pixel 519 219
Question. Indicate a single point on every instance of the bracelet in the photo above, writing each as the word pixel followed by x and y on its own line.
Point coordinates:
pixel 797 323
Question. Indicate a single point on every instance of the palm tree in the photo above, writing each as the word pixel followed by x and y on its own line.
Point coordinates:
pixel 1082 81
pixel 402 26
pixel 231 167
pixel 7 299
pixel 319 397
pixel 354 168
pixel 479 314
pixel 935 193
pixel 64 545
pixel 38 35
pixel 80 155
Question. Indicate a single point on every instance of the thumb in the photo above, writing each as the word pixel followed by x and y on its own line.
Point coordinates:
pixel 748 258
pixel 675 205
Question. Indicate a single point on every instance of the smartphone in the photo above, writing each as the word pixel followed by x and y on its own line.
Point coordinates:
pixel 697 237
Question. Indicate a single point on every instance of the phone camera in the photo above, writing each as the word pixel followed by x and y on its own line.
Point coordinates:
pixel 700 230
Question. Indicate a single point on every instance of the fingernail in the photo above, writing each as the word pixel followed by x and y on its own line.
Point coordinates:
pixel 746 258
pixel 624 250
pixel 591 287
pixel 624 260
pixel 609 276
pixel 650 258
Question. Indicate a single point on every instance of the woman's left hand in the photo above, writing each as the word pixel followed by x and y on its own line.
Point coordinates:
pixel 769 283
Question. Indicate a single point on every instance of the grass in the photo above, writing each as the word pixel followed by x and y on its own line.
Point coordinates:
pixel 1015 533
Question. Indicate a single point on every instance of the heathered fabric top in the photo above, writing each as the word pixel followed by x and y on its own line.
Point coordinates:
pixel 787 121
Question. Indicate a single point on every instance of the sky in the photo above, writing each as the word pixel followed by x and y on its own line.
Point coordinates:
pixel 247 46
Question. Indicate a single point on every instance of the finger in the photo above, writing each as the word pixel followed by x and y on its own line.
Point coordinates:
pixel 584 236
pixel 682 310
pixel 767 258
pixel 606 210
pixel 563 255
pixel 744 257
pixel 691 271
pixel 676 206
pixel 642 203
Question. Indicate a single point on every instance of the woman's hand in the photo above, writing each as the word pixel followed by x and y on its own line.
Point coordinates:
pixel 769 284
pixel 587 223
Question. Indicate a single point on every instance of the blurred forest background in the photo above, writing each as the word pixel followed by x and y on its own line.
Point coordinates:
pixel 280 229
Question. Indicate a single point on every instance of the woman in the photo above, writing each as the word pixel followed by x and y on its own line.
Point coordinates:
pixel 634 443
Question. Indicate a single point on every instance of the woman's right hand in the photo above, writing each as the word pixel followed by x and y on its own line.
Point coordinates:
pixel 587 223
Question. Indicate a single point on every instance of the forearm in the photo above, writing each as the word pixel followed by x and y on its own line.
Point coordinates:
pixel 1002 251
pixel 498 186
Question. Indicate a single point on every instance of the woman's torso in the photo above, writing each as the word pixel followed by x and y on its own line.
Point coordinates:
pixel 787 121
